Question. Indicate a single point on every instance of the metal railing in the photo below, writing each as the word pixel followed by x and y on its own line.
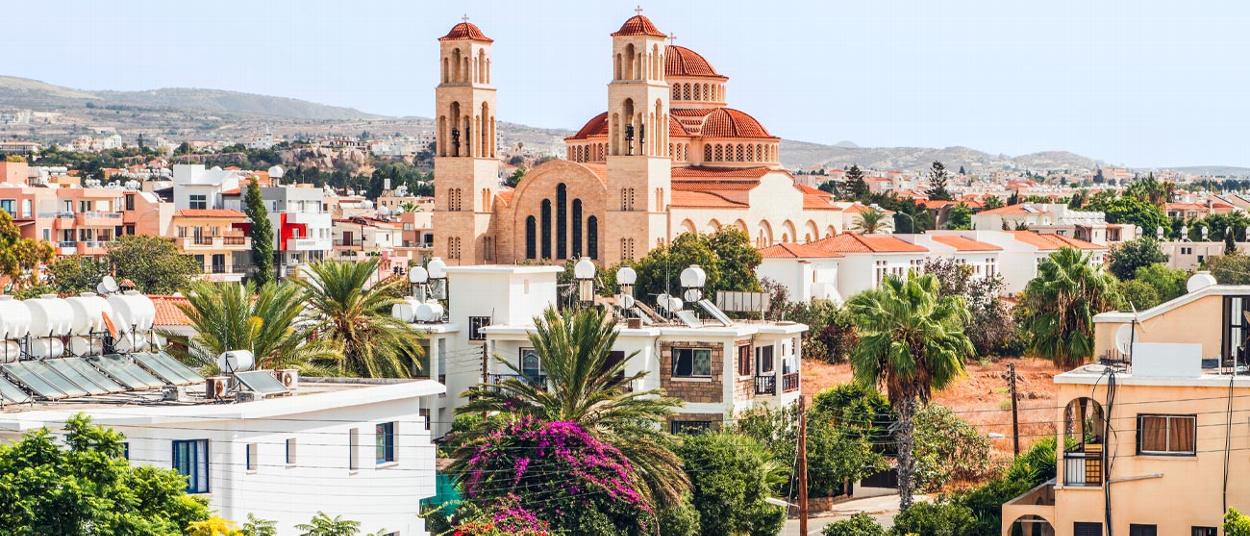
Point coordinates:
pixel 790 382
pixel 234 240
pixel 766 385
pixel 1082 469
pixel 538 380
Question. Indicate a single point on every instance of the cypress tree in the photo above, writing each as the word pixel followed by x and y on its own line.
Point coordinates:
pixel 261 234
pixel 855 184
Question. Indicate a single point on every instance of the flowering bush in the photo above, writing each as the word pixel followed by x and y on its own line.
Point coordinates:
pixel 509 519
pixel 554 470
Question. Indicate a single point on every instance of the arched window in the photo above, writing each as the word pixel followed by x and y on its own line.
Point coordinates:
pixel 696 92
pixel 707 153
pixel 531 251
pixel 455 58
pixel 617 71
pixel 577 228
pixel 592 237
pixel 562 221
pixel 720 155
pixel 545 236
pixel 676 92
pixel 738 152
pixel 685 91
pixel 445 73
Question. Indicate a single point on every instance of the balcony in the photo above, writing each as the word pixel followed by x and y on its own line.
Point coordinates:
pixel 308 244
pixel 98 219
pixel 766 385
pixel 228 242
pixel 90 247
pixel 1083 468
pixel 790 382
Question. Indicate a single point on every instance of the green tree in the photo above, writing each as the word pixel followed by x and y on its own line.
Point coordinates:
pixel 20 257
pixel 935 519
pixel 856 186
pixel 1130 210
pixel 1138 295
pixel 266 322
pixel 857 525
pixel 726 256
pixel 82 484
pixel 993 202
pixel 259 527
pixel 590 388
pixel 324 525
pixel 738 259
pixel 73 274
pixel 153 263
pixel 1030 469
pixel 938 177
pixel 213 526
pixel 960 217
pixel 948 449
pixel 731 475
pixel 870 221
pixel 261 233
pixel 355 313
pixel 990 325
pixel 1236 523
pixel 1169 283
pixel 1230 269
pixel 1058 306
pixel 912 341
pixel 1127 257
pixel 912 217
pixel 515 178
pixel 1230 242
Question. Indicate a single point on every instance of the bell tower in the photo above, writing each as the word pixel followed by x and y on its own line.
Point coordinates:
pixel 639 169
pixel 466 165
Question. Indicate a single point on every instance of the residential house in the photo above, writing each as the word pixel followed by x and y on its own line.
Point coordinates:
pixel 840 266
pixel 217 239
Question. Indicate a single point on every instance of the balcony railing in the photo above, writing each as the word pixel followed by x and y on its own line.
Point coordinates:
pixel 1082 468
pixel 790 382
pixel 538 380
pixel 234 240
pixel 766 385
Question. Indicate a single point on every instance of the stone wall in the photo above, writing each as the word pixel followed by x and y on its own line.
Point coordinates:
pixel 693 389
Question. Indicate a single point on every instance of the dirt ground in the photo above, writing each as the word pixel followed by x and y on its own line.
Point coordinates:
pixel 981 397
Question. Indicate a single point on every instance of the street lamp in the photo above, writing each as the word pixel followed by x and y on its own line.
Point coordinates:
pixel 584 274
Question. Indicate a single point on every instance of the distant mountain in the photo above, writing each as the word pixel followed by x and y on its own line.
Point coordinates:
pixel 799 154
pixel 26 93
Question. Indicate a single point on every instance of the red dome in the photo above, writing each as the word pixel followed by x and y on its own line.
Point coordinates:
pixel 466 30
pixel 731 123
pixel 597 126
pixel 681 61
pixel 639 25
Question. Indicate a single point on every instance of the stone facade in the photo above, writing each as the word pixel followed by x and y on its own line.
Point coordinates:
pixel 692 389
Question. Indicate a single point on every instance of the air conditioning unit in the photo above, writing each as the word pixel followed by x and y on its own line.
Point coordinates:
pixel 288 377
pixel 216 387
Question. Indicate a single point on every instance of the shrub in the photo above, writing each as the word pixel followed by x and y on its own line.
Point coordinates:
pixel 948 448
pixel 733 477
pixel 856 525
pixel 1236 523
pixel 935 519
pixel 1032 468
pixel 1126 258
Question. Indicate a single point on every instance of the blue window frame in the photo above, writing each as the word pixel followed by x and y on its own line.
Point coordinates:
pixel 190 459
pixel 385 442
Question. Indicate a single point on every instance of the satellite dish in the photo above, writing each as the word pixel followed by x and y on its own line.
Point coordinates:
pixel 625 300
pixel 236 361
pixel 107 285
pixel 1124 339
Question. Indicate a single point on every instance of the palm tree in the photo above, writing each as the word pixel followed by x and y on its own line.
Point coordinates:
pixel 911 341
pixel 408 206
pixel 869 221
pixel 1058 306
pixel 324 525
pixel 590 388
pixel 233 316
pixel 347 310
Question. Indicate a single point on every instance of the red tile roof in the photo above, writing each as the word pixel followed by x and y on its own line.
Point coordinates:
pixel 1012 210
pixel 867 243
pixel 797 251
pixel 706 199
pixel 209 213
pixel 964 244
pixel 597 126
pixel 681 61
pixel 639 25
pixel 1051 242
pixel 168 312
pixel 731 123
pixel 466 30
pixel 715 172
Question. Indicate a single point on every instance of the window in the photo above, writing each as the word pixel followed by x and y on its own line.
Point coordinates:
pixel 199 201
pixel 689 427
pixel 126 449
pixel 1204 531
pixel 744 360
pixel 290 451
pixel 1166 434
pixel 1142 530
pixel 531 366
pixel 130 201
pixel 476 323
pixel 190 459
pixel 353 449
pixel 8 205
pixel 251 457
pixel 692 362
pixel 763 359
pixel 1081 528
pixel 385 442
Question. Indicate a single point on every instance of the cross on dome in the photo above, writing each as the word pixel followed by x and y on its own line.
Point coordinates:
pixel 672 38
pixel 465 18
pixel 638 10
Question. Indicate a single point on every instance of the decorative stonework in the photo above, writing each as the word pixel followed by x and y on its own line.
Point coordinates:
pixel 692 389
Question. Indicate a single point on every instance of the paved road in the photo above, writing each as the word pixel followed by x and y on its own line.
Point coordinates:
pixel 881 508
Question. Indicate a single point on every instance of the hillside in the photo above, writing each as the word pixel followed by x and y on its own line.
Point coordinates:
pixel 799 154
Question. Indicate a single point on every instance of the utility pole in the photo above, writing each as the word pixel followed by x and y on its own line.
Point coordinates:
pixel 1015 418
pixel 802 465
pixel 484 377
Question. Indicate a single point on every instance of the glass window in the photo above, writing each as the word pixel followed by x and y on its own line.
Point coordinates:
pixel 531 365
pixel 385 442
pixel 1204 531
pixel 1135 529
pixel 1082 528
pixel 7 205
pixel 692 362
pixel 190 459
pixel 251 457
pixel 199 201
pixel 476 323
pixel 689 427
pixel 744 360
pixel 1166 434
pixel 764 359
pixel 353 449
pixel 290 451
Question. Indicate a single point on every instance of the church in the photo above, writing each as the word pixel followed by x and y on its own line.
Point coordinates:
pixel 669 156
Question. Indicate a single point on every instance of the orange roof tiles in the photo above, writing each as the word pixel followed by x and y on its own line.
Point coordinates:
pixel 705 199
pixel 714 172
pixel 816 202
pixel 639 25
pixel 1048 242
pixel 731 123
pixel 681 61
pixel 168 312
pixel 597 126
pixel 797 251
pixel 466 30
pixel 209 213
pixel 863 243
pixel 964 244
pixel 1011 210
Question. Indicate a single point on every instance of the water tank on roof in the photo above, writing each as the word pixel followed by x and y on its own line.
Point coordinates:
pixel 46 347
pixel 429 312
pixel 133 310
pixel 82 346
pixel 89 311
pixel 1200 281
pixel 49 316
pixel 9 351
pixel 14 318
pixel 405 310
pixel 276 172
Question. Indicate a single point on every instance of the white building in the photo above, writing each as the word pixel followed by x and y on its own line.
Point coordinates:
pixel 840 266
pixel 198 188
pixel 1055 218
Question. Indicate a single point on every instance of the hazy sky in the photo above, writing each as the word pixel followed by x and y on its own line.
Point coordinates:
pixel 1143 83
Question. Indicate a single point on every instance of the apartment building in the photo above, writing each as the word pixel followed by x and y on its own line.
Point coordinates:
pixel 217 239
pixel 1151 439
pixel 1055 218
pixel 718 369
